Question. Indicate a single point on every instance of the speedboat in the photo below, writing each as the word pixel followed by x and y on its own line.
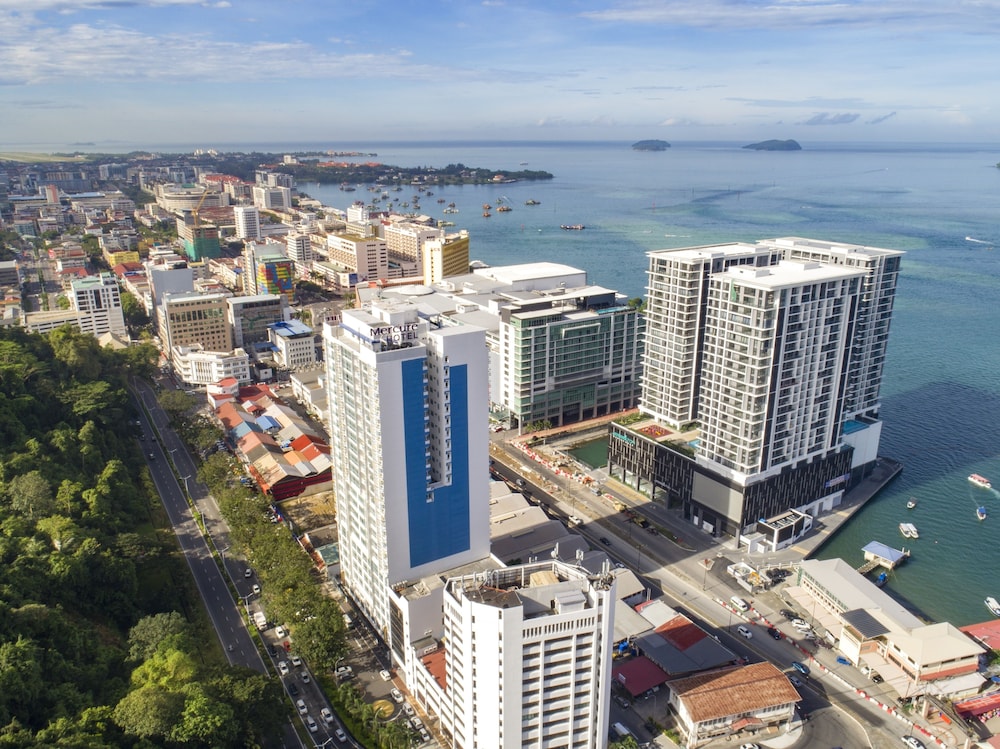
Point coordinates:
pixel 909 530
pixel 911 503
pixel 993 605
pixel 981 513
pixel 882 579
pixel 982 481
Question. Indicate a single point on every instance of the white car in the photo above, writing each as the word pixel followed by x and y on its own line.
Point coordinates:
pixel 256 589
pixel 744 632
pixel 248 572
pixel 326 715
pixel 913 742
pixel 305 676
pixel 283 668
pixel 801 625
pixel 280 631
pixel 341 736
pixel 296 661
pixel 386 676
pixel 397 696
pixel 301 705
pixel 311 724
pixel 408 710
pixel 749 746
pixel 416 723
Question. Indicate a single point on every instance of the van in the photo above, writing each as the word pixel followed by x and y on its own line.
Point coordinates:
pixel 620 730
pixel 739 604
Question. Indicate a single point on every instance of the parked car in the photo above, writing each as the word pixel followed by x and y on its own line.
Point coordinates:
pixel 749 746
pixel 256 589
pixel 877 677
pixel 913 742
pixel 802 668
pixel 408 710
pixel 248 572
pixel 424 736
pixel 774 633
pixel 744 632
pixel 280 631
pixel 796 681
pixel 397 696
pixel 623 703
pixel 386 675
pixel 344 672
pixel 801 625
pixel 416 722
pixel 843 661
pixel 788 614
pixel 605 540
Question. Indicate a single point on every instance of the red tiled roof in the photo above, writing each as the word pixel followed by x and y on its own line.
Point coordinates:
pixel 715 695
pixel 638 675
pixel 434 663
pixel 681 632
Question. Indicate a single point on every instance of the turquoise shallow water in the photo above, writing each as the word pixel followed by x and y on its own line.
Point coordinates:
pixel 941 391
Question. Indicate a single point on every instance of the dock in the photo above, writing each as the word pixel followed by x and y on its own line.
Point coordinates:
pixel 878 554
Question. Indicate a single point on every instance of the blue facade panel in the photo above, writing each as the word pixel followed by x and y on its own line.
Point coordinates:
pixel 438 528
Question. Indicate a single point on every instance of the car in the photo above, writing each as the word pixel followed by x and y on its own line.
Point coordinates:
pixel 843 661
pixel 305 676
pixel 311 724
pixel 341 736
pixel 396 695
pixel 283 668
pixel 326 715
pixel 605 540
pixel 619 565
pixel 749 746
pixel 301 705
pixel 796 681
pixel 623 703
pixel 344 672
pixel 801 625
pixel 424 736
pixel 788 614
pixel 248 572
pixel 296 661
pixel 256 589
pixel 913 742
pixel 802 668
pixel 416 722
pixel 280 631
pixel 272 651
pixel 744 632
pixel 877 677
pixel 292 689
pixel 774 633
pixel 385 674
pixel 152 456
pixel 408 710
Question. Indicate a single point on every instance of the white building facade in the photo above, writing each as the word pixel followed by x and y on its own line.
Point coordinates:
pixel 408 426
pixel 99 304
pixel 247 219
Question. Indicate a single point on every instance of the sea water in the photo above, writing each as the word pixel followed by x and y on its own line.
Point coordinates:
pixel 941 386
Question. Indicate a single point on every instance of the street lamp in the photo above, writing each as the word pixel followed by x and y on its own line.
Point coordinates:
pixel 185 480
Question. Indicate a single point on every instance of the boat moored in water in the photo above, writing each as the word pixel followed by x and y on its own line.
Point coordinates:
pixel 981 513
pixel 911 503
pixel 993 605
pixel 909 530
pixel 982 481
pixel 882 579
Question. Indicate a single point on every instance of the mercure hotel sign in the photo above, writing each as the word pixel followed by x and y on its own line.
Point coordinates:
pixel 395 333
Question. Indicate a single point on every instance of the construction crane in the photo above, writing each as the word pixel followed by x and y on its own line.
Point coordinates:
pixel 194 211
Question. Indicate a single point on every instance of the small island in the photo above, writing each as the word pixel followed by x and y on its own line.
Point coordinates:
pixel 775 145
pixel 650 145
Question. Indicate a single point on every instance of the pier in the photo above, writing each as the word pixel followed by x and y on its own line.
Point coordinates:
pixel 878 554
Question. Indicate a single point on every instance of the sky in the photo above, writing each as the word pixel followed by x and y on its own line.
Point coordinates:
pixel 129 72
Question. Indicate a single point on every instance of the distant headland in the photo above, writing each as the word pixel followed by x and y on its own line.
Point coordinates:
pixel 650 145
pixel 775 145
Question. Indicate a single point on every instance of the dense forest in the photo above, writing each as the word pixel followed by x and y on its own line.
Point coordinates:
pixel 99 619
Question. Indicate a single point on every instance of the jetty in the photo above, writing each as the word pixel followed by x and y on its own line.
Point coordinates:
pixel 878 554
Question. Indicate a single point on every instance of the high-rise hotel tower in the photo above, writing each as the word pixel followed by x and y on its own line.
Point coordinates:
pixel 762 371
pixel 409 440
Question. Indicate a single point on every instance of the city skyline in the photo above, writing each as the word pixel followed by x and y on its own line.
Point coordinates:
pixel 116 74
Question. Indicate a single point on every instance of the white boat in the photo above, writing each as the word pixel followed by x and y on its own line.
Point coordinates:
pixel 909 530
pixel 982 481
pixel 911 503
pixel 993 605
pixel 981 513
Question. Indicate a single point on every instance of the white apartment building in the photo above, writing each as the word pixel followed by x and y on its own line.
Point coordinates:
pixel 247 222
pixel 272 198
pixel 98 303
pixel 294 344
pixel 409 444
pixel 298 247
pixel 368 257
pixel 405 240
pixel 528 653
pixel 193 365
pixel 773 352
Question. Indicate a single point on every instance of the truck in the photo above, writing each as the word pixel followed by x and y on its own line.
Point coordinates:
pixel 260 619
pixel 620 730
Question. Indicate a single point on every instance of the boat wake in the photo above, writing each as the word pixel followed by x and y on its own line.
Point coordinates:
pixel 977 241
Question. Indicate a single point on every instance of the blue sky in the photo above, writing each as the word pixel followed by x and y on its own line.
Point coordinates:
pixel 243 71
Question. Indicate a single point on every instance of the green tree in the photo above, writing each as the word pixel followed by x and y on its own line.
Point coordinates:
pixel 31 495
pixel 149 712
pixel 62 531
pixel 170 630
